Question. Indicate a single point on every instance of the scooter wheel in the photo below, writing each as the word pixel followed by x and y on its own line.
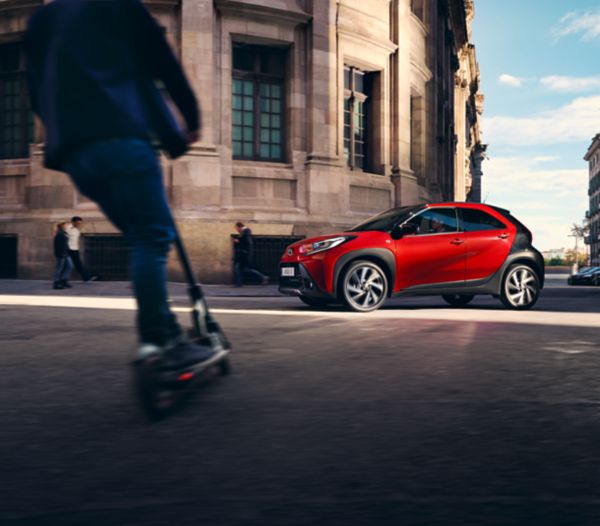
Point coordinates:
pixel 156 399
pixel 225 367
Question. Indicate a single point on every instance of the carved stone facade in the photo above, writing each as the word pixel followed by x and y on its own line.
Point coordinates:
pixel 468 106
pixel 316 114
pixel 593 214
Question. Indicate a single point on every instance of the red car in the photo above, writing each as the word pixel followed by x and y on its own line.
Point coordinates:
pixel 455 250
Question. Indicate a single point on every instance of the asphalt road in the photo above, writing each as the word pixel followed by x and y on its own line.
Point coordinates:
pixel 417 414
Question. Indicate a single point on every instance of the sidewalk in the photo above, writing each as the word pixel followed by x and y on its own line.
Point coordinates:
pixel 176 290
pixel 123 289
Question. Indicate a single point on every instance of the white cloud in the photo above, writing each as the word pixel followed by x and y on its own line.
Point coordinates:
pixel 585 23
pixel 577 121
pixel 570 84
pixel 548 201
pixel 545 158
pixel 510 80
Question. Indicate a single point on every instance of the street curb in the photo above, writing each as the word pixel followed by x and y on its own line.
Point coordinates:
pixel 123 289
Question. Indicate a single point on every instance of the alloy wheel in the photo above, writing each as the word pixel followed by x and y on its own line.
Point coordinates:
pixel 365 286
pixel 521 287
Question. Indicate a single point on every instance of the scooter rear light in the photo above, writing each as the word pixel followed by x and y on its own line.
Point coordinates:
pixel 184 377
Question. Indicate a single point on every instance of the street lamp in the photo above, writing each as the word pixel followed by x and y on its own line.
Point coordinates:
pixel 575 267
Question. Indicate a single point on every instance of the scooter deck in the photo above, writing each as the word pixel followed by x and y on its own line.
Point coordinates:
pixel 161 390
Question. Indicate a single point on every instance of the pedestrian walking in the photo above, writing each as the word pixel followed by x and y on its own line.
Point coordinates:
pixel 243 263
pixel 74 233
pixel 92 69
pixel 64 265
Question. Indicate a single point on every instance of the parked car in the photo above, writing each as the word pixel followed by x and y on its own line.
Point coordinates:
pixel 455 250
pixel 585 276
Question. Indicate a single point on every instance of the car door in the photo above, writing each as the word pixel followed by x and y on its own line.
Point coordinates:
pixel 488 240
pixel 434 254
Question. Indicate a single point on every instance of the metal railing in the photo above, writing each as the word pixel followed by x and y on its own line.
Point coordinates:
pixel 107 256
pixel 268 251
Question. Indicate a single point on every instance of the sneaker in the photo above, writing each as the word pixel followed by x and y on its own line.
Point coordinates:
pixel 91 278
pixel 181 355
pixel 147 349
pixel 57 286
pixel 66 284
pixel 187 354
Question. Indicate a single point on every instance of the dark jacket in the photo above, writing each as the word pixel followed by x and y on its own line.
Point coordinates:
pixel 91 67
pixel 245 247
pixel 61 244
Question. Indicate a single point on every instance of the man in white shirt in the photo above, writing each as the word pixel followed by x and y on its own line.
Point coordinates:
pixel 74 235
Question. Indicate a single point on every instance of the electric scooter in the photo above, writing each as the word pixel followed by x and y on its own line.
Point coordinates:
pixel 159 389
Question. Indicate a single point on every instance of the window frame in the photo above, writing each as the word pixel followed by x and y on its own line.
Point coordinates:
pixel 354 98
pixel 435 209
pixel 258 79
pixel 462 221
pixel 19 148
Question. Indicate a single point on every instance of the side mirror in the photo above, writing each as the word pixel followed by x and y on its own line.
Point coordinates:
pixel 406 229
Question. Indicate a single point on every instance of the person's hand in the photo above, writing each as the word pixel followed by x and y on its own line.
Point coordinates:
pixel 193 136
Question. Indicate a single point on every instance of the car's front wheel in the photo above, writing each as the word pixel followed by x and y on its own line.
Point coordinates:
pixel 364 286
pixel 458 300
pixel 520 287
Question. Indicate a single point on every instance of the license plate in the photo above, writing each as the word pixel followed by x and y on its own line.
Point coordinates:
pixel 287 271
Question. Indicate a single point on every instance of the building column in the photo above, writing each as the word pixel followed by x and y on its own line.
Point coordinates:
pixel 327 188
pixel 195 178
pixel 403 177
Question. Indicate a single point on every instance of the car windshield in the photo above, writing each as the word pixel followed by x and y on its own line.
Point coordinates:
pixel 386 220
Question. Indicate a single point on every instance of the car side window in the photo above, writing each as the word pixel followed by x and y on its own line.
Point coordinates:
pixel 476 220
pixel 435 221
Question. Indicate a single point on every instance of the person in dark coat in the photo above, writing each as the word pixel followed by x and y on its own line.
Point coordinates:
pixel 244 257
pixel 91 68
pixel 64 265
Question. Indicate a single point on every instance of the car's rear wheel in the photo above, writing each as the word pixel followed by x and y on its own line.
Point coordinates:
pixel 520 287
pixel 458 300
pixel 364 286
pixel 314 302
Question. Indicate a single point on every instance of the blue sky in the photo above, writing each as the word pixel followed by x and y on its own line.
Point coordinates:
pixel 540 74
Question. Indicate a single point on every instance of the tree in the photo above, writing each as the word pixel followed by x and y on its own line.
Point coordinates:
pixel 570 256
pixel 579 232
pixel 555 262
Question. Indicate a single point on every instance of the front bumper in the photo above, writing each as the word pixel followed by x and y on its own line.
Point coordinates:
pixel 300 284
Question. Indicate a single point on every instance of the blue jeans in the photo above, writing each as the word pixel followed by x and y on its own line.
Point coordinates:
pixel 63 269
pixel 123 176
pixel 241 268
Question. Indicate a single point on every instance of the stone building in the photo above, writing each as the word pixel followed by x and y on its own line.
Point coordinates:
pixel 593 214
pixel 316 114
pixel 468 106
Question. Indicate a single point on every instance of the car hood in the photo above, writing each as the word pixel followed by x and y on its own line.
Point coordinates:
pixel 315 239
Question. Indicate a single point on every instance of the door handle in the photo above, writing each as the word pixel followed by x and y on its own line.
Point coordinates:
pixel 457 241
pixel 504 235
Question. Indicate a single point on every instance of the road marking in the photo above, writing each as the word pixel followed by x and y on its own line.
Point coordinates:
pixel 572 347
pixel 564 319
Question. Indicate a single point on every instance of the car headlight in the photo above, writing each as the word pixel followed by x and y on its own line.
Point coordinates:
pixel 312 248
